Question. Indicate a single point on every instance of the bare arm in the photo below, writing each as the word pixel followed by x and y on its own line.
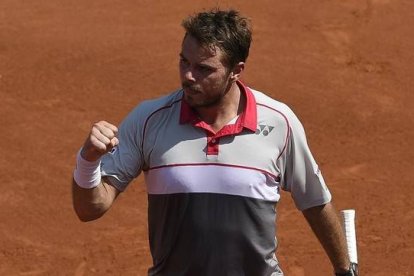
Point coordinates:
pixel 95 196
pixel 91 204
pixel 326 225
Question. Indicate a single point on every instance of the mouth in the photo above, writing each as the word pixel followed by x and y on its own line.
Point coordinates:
pixel 191 91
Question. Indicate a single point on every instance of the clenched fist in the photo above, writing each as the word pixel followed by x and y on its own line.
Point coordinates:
pixel 101 140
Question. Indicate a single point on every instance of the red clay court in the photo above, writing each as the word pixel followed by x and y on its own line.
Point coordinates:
pixel 345 67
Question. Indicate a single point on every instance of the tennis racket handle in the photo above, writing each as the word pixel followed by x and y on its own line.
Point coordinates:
pixel 348 223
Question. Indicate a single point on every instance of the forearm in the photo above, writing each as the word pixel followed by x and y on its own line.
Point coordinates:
pixel 326 225
pixel 90 204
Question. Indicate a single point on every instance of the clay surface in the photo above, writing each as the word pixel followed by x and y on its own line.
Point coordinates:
pixel 345 67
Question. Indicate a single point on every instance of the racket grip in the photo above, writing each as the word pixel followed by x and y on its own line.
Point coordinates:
pixel 348 223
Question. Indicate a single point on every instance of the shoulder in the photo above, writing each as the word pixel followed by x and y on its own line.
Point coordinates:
pixel 268 106
pixel 147 108
pixel 153 105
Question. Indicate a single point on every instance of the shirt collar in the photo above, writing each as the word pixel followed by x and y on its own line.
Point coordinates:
pixel 247 119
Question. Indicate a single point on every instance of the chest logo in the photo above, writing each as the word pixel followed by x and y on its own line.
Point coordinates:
pixel 264 130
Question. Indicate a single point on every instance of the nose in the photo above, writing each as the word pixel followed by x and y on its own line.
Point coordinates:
pixel 188 75
pixel 186 71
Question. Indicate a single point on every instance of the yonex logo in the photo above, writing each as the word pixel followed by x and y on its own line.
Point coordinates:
pixel 264 129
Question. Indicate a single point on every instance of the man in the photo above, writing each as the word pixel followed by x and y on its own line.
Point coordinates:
pixel 215 155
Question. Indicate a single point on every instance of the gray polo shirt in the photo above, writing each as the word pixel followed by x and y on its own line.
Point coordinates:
pixel 212 195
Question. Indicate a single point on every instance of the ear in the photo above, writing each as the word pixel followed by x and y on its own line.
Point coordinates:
pixel 236 72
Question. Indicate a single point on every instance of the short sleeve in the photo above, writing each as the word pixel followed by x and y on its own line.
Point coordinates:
pixel 302 176
pixel 125 162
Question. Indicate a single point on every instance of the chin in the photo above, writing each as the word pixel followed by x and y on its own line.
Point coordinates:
pixel 200 103
pixel 191 101
pixel 195 104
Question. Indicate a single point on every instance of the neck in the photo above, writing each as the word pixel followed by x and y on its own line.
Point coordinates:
pixel 231 105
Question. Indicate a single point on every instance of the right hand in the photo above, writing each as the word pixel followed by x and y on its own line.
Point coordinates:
pixel 101 140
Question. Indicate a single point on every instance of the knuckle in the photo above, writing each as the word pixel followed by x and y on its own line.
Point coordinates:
pixel 97 124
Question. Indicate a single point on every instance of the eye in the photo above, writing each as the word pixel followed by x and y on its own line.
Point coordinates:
pixel 204 68
pixel 183 60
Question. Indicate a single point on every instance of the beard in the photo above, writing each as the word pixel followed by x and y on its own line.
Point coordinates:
pixel 197 98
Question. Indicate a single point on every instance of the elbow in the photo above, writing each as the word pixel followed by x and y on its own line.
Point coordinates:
pixel 87 215
pixel 86 218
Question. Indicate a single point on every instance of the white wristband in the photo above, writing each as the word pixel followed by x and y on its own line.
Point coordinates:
pixel 87 174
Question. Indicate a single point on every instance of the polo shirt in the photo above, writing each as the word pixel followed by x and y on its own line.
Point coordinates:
pixel 212 195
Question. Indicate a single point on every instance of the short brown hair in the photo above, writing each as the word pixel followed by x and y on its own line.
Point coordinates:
pixel 226 30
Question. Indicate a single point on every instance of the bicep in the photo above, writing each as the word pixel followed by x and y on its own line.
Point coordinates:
pixel 91 204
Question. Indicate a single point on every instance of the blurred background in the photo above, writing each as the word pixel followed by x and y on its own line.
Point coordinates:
pixel 344 67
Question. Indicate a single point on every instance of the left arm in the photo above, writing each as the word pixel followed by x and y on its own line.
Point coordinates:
pixel 326 225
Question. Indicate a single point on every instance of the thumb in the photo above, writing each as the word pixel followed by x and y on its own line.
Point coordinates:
pixel 114 142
